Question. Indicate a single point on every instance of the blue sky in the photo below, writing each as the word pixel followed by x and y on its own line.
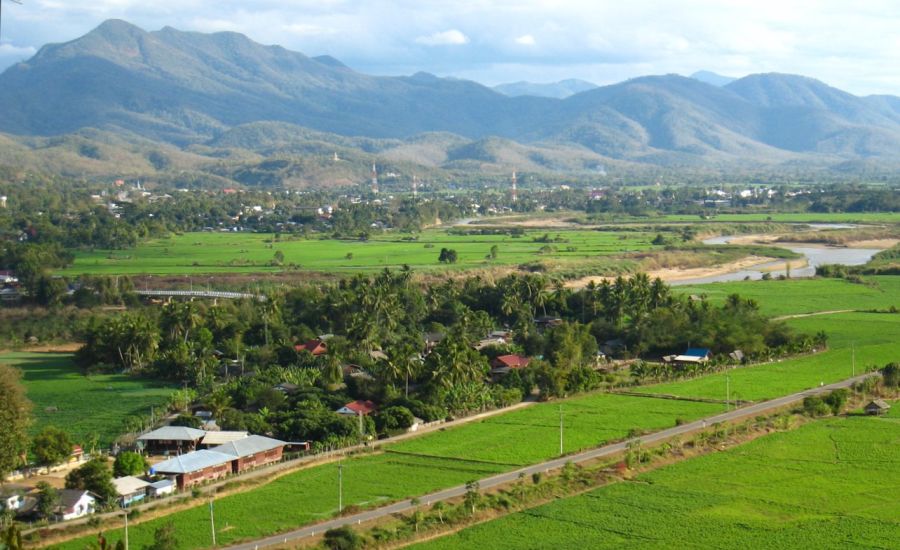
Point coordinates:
pixel 854 45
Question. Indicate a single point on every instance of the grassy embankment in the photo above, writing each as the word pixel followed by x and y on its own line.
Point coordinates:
pixel 828 484
pixel 84 406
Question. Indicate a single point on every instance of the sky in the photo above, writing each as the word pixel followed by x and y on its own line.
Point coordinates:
pixel 850 44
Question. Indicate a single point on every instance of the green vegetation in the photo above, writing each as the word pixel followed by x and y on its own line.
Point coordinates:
pixel 471 451
pixel 85 406
pixel 198 253
pixel 873 340
pixel 798 296
pixel 531 435
pixel 829 484
pixel 778 217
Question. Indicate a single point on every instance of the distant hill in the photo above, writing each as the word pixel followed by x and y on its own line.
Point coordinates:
pixel 715 79
pixel 201 98
pixel 557 90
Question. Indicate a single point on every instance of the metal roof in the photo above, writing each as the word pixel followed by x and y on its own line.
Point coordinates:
pixel 249 446
pixel 191 462
pixel 162 484
pixel 219 438
pixel 173 433
pixel 128 485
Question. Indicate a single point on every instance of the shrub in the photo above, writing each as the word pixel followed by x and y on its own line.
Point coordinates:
pixel 342 538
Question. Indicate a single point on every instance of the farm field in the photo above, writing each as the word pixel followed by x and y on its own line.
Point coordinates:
pixel 798 296
pixel 199 253
pixel 828 484
pixel 84 406
pixel 467 452
pixel 531 435
pixel 873 337
pixel 786 217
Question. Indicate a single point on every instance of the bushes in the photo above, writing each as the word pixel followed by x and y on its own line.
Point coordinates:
pixel 342 538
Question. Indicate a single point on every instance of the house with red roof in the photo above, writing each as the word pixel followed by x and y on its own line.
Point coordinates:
pixel 359 407
pixel 316 347
pixel 504 363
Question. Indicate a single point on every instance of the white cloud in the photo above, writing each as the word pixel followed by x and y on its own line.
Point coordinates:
pixel 452 37
pixel 526 40
pixel 303 29
pixel 848 44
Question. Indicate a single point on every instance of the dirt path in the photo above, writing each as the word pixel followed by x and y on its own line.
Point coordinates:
pixel 799 315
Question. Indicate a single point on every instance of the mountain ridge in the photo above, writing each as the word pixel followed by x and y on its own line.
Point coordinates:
pixel 190 88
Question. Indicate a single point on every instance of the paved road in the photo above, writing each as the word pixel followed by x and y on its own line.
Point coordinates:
pixel 510 477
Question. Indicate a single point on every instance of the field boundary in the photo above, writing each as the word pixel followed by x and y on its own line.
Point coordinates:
pixel 498 480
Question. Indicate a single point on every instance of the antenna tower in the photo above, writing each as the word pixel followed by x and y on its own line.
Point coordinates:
pixel 515 192
pixel 374 180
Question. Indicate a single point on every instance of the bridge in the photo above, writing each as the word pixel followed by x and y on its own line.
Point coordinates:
pixel 215 294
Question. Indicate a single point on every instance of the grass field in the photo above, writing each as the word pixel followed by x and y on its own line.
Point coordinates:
pixel 797 296
pixel 532 435
pixel 83 405
pixel 805 217
pixel 829 484
pixel 873 337
pixel 447 458
pixel 250 252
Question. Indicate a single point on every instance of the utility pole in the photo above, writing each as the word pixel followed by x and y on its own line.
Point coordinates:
pixel 560 431
pixel 340 487
pixel 212 521
pixel 727 391
pixel 126 529
pixel 853 358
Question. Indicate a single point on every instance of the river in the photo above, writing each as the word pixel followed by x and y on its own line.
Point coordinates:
pixel 815 255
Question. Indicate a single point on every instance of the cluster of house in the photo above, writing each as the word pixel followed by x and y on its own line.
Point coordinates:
pixel 499 366
pixel 202 456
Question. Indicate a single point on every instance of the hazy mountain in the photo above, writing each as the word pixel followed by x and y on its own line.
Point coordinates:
pixel 224 96
pixel 715 79
pixel 558 90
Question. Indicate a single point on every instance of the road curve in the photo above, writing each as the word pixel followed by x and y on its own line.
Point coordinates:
pixel 510 477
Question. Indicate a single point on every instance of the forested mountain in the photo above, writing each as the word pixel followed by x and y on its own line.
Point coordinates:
pixel 202 92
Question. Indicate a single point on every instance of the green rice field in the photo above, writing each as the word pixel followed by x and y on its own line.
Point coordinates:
pixel 785 217
pixel 874 339
pixel 829 484
pixel 84 406
pixel 428 463
pixel 798 296
pixel 253 252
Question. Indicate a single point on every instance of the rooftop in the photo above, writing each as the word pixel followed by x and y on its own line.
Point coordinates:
pixel 220 438
pixel 128 485
pixel 191 462
pixel 249 446
pixel 173 433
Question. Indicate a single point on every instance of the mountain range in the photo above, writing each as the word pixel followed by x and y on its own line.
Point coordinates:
pixel 198 97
